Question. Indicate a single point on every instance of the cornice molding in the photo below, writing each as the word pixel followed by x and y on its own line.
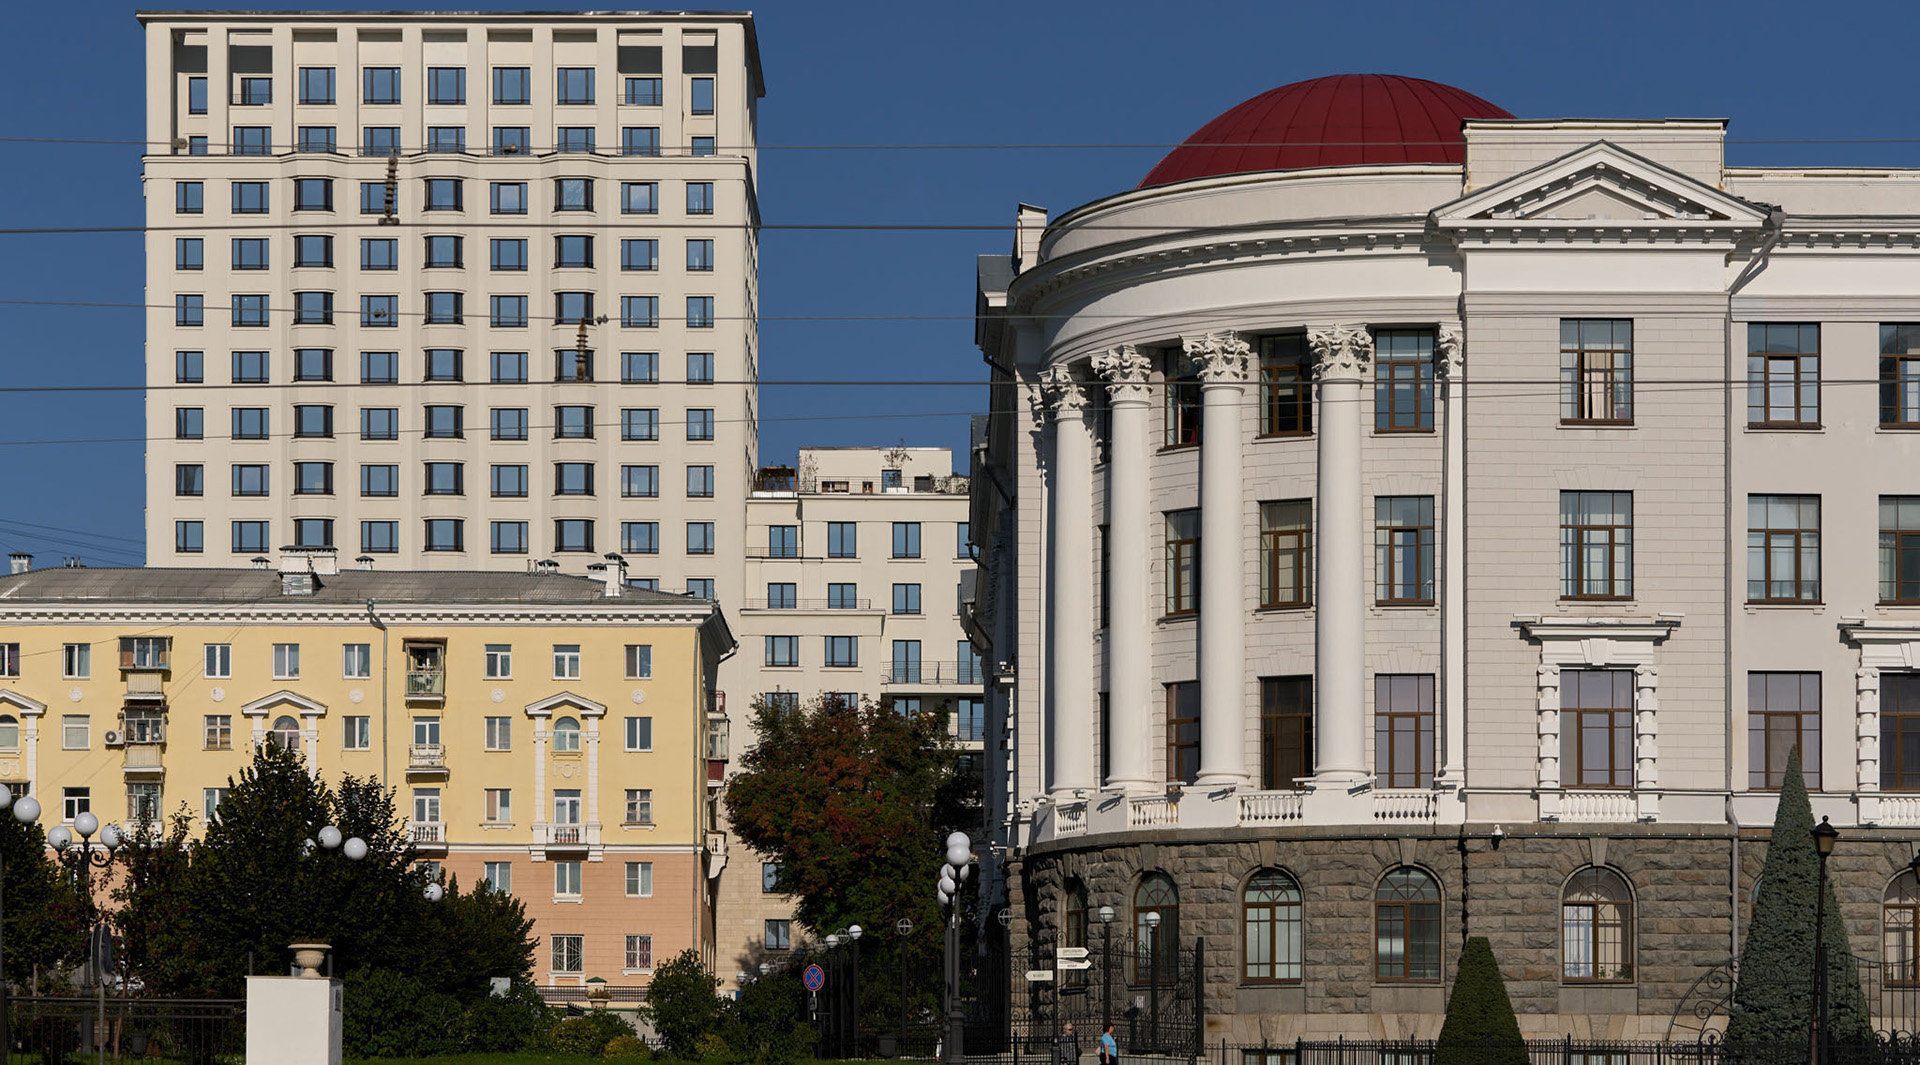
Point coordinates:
pixel 613 613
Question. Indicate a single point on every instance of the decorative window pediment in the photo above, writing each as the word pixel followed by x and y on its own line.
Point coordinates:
pixel 26 706
pixel 560 703
pixel 284 701
pixel 1601 183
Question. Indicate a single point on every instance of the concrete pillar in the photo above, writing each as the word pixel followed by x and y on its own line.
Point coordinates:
pixel 1341 359
pixel 1449 365
pixel 1070 563
pixel 1220 360
pixel 1129 610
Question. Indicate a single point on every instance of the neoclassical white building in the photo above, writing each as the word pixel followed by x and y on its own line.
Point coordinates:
pixel 1404 521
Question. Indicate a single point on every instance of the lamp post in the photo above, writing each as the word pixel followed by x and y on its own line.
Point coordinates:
pixel 959 856
pixel 1106 967
pixel 1153 978
pixel 26 811
pixel 1824 837
pixel 833 993
pixel 904 928
pixel 853 1012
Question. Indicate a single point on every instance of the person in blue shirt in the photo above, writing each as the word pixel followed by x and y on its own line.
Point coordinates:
pixel 1109 1050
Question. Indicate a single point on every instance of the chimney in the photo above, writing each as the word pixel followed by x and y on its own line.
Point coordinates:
pixel 261 562
pixel 614 574
pixel 365 561
pixel 19 562
pixel 1029 224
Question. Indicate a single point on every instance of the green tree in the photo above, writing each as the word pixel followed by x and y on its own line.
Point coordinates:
pixel 44 916
pixel 1480 1028
pixel 1773 1001
pixel 155 907
pixel 766 1025
pixel 682 1004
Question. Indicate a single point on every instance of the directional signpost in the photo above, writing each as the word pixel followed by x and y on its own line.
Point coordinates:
pixel 1071 958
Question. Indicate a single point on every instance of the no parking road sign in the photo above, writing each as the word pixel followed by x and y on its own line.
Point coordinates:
pixel 815 977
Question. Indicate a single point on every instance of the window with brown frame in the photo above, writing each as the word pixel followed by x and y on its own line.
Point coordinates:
pixel 1403 549
pixel 1596 728
pixel 1183 401
pixel 1158 942
pixel 1286 559
pixel 1286 731
pixel 1403 381
pixel 1596 371
pixel 1900 731
pixel 1271 939
pixel 1900 549
pixel 1183 731
pixel 1596 928
pixel 1073 931
pixel 1899 918
pixel 1406 927
pixel 1899 376
pixel 1403 729
pixel 1286 386
pixel 1596 545
pixel 1783 713
pixel 1183 562
pixel 1783 375
pixel 1783 549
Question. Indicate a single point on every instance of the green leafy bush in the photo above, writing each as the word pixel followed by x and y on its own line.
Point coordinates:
pixel 518 1020
pixel 711 1048
pixel 682 1004
pixel 393 1015
pixel 626 1048
pixel 1480 1028
pixel 588 1035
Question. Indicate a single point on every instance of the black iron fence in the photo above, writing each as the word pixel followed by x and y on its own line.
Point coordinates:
pixel 46 1030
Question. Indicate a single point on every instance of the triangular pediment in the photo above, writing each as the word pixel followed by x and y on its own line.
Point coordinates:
pixel 1601 184
pixel 11 700
pixel 584 706
pixel 284 698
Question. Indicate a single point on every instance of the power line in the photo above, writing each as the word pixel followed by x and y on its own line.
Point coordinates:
pixel 75 532
pixel 724 150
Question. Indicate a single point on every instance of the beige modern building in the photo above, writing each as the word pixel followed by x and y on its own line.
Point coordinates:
pixel 373 242
pixel 1422 522
pixel 545 733
pixel 856 562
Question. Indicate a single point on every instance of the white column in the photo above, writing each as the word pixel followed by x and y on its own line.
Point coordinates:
pixel 1449 362
pixel 1341 358
pixel 1220 360
pixel 1129 611
pixel 1070 564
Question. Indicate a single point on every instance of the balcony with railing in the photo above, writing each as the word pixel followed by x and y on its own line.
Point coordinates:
pixel 426 673
pixel 958 674
pixel 426 684
pixel 427 835
pixel 427 759
pixel 555 835
pixel 143 759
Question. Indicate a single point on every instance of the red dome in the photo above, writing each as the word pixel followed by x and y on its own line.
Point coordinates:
pixel 1341 120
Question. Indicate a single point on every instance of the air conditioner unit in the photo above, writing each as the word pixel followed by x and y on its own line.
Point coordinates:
pixel 113 737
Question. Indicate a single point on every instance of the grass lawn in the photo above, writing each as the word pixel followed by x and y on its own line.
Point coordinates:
pixel 524 1058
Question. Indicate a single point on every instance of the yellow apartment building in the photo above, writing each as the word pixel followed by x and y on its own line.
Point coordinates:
pixel 554 735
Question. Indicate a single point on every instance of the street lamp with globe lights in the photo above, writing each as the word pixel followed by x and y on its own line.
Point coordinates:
pixel 853 1011
pixel 904 928
pixel 26 811
pixel 959 863
pixel 1106 967
pixel 1152 917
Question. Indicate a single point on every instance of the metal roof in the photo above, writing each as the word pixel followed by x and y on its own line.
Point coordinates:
pixel 71 584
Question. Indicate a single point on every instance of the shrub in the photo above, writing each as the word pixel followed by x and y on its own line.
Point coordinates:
pixel 587 1035
pixel 682 1004
pixel 766 1025
pixel 1480 1028
pixel 392 1015
pixel 711 1048
pixel 627 1048
pixel 518 1020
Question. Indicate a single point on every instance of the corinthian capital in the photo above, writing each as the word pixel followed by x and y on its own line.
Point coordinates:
pixel 1219 358
pixel 1449 352
pixel 1125 371
pixel 1341 353
pixel 1066 393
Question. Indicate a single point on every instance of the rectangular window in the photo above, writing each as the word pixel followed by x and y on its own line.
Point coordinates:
pixel 189 309
pixel 379 367
pixel 1183 732
pixel 379 480
pixel 445 194
pixel 316 85
pixel 843 651
pixel 250 537
pixel 1403 548
pixel 639 367
pixel 311 250
pixel 379 423
pixel 314 194
pixel 575 85
pixel 76 661
pixel 509 481
pixel 381 85
pixel 445 422
pixel 249 367
pixel 640 799
pixel 253 140
pixel 512 140
pixel 1183 562
pixel 699 367
pixel 701 146
pixel 777 934
pixel 444 364
pixel 1783 375
pixel 578 139
pixel 639 734
pixel 573 478
pixel 189 537
pixel 638 423
pixel 445 308
pixel 567 956
pixel 249 253
pixel 640 537
pixel 566 661
pixel 250 197
pixel 445 479
pixel 446 534
pixel 843 539
pixel 699 197
pixel 444 251
pixel 1286 386
pixel 314 139
pixel 312 308
pixel 640 312
pixel 313 364
pixel 642 92
pixel 219 661
pixel 76 801
pixel 699 538
pixel 189 479
pixel 499 729
pixel 510 538
pixel 509 197
pixel 313 478
pixel 783 650
pixel 639 482
pixel 380 312
pixel 1403 381
pixel 379 537
pixel 639 881
pixel 639 140
pixel 573 194
pixel 1783 712
pixel 573 249
pixel 1596 728
pixel 356 733
pixel 376 196
pixel 512 85
pixel 572 365
pixel 1900 549
pixel 1899 376
pixel 1182 402
pixel 189 253
pixel 498 801
pixel 1403 729
pixel 1596 371
pixel 250 423
pixel 312 421
pixel 906 662
pixel 1783 549
pixel 446 85
pixel 218 732
pixel 189 367
pixel 782 595
pixel 783 541
pixel 640 947
pixel 699 312
pixel 1899 731
pixel 699 482
pixel 499 661
pixel 1286 558
pixel 356 661
pixel 699 423
pixel 1596 545
pixel 189 197
pixel 639 197
pixel 640 254
pixel 906 539
pixel 509 367
pixel 286 661
pixel 197 96
pixel 1286 732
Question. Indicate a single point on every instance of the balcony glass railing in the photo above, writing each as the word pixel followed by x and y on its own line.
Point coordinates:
pixel 426 682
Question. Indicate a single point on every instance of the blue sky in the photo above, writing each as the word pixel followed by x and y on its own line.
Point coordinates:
pixel 902 73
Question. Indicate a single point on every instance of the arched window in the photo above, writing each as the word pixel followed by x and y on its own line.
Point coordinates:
pixel 1270 941
pixel 566 735
pixel 1596 926
pixel 1156 941
pixel 9 733
pixel 286 733
pixel 1406 926
pixel 1897 924
pixel 1073 929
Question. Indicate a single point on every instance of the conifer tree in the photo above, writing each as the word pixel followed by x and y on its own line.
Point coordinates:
pixel 1773 1001
pixel 1480 1028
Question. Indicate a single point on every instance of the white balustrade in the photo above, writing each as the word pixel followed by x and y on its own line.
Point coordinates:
pixel 1598 806
pixel 1146 811
pixel 1070 819
pixel 1271 807
pixel 1404 805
